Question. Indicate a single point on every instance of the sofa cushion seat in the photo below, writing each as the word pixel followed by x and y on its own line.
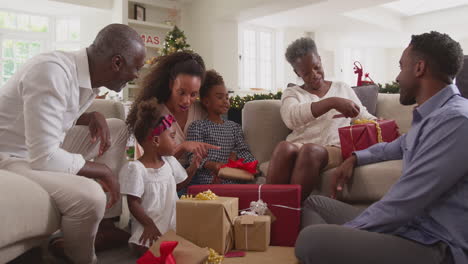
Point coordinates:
pixel 28 210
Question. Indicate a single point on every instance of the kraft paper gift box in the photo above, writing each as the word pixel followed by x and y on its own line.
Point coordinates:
pixel 208 223
pixel 185 252
pixel 252 233
pixel 284 202
pixel 362 136
pixel 235 174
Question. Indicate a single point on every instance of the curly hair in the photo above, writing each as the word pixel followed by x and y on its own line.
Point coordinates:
pixel 443 54
pixel 299 48
pixel 148 117
pixel 156 82
pixel 212 78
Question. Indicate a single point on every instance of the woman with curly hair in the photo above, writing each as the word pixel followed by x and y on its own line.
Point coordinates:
pixel 175 82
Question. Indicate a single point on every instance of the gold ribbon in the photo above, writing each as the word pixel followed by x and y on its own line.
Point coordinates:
pixel 368 121
pixel 206 195
pixel 214 257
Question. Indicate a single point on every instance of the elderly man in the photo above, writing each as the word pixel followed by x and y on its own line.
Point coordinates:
pixel 46 135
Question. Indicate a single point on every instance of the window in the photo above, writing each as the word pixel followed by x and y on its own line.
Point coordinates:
pixel 23 36
pixel 256 58
pixel 23 22
pixel 67 35
pixel 14 53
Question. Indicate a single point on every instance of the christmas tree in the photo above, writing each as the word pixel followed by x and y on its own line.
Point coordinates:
pixel 175 41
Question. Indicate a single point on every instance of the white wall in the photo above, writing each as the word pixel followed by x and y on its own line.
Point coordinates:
pixel 214 38
pixel 91 22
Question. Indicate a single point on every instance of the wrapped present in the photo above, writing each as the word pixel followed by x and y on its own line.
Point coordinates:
pixel 185 252
pixel 165 249
pixel 207 222
pixel 238 170
pixel 252 232
pixel 235 174
pixel 284 202
pixel 366 133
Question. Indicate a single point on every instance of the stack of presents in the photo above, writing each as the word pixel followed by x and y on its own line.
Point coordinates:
pixel 229 223
pixel 248 223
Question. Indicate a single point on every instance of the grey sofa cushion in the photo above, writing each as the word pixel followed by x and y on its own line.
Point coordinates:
pixel 368 95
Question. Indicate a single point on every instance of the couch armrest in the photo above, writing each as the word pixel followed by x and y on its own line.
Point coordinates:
pixel 369 184
pixel 109 108
pixel 263 127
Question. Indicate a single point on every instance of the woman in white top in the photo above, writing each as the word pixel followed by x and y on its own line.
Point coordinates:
pixel 314 112
pixel 175 82
pixel 152 181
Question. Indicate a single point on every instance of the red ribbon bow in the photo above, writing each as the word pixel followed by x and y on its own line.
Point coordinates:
pixel 166 249
pixel 239 164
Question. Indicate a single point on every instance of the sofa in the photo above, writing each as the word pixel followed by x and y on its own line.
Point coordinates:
pixel 29 215
pixel 264 129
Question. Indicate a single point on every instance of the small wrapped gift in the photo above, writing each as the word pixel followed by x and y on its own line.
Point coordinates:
pixel 284 202
pixel 184 252
pixel 366 133
pixel 207 223
pixel 252 232
pixel 238 170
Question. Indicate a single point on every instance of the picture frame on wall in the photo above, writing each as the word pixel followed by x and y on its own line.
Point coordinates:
pixel 140 13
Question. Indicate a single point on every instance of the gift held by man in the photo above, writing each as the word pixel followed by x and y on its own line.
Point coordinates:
pixel 365 133
pixel 252 232
pixel 284 202
pixel 207 223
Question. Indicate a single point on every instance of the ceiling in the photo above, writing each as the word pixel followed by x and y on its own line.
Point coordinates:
pixel 378 16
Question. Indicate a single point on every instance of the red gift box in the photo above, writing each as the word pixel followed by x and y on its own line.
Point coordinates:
pixel 359 137
pixel 284 201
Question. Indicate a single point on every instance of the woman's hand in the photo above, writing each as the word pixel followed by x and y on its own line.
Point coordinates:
pixel 345 106
pixel 198 148
pixel 150 233
pixel 213 166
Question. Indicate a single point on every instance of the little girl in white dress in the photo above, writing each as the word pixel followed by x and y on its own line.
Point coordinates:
pixel 152 181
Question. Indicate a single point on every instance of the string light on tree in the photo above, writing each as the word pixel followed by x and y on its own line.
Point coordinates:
pixel 175 41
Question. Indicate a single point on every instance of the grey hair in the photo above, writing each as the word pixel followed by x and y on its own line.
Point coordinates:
pixel 299 48
pixel 117 39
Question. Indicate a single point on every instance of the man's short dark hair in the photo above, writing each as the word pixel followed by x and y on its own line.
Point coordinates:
pixel 443 54
pixel 299 48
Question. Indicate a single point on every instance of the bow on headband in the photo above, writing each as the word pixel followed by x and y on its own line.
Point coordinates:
pixel 164 124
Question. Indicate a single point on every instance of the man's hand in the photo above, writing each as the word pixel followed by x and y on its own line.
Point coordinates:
pixel 98 129
pixel 105 177
pixel 111 186
pixel 198 148
pixel 150 233
pixel 346 107
pixel 342 175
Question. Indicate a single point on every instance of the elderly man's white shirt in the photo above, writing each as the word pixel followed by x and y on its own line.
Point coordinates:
pixel 39 104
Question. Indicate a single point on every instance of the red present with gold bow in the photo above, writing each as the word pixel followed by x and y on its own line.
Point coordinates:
pixel 238 170
pixel 366 133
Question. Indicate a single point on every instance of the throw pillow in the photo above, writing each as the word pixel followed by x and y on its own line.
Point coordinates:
pixel 368 95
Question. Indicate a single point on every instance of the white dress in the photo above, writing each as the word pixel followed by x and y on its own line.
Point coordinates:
pixel 157 190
